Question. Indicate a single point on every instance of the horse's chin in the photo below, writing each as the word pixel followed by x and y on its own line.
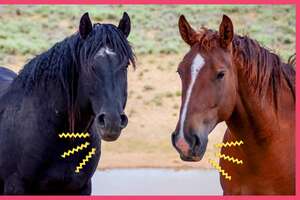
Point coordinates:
pixel 109 138
pixel 191 158
pixel 194 156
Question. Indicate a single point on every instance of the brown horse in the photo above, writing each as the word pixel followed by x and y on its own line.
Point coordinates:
pixel 226 77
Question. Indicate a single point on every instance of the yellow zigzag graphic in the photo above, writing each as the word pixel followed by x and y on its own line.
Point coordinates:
pixel 218 167
pixel 86 159
pixel 231 159
pixel 73 135
pixel 76 149
pixel 229 144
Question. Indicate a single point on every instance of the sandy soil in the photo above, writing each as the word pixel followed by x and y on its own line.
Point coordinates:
pixel 153 108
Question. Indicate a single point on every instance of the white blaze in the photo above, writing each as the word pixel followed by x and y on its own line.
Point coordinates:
pixel 105 51
pixel 196 66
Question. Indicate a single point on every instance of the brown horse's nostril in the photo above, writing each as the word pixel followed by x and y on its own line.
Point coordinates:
pixel 124 120
pixel 101 120
pixel 196 143
pixel 173 138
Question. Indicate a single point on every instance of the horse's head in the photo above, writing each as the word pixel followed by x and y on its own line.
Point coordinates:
pixel 104 57
pixel 209 86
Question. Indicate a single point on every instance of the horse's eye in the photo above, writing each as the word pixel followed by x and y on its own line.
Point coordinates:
pixel 220 75
pixel 126 65
pixel 179 72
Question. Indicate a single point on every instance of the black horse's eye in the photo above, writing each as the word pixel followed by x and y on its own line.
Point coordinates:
pixel 126 65
pixel 220 75
pixel 125 68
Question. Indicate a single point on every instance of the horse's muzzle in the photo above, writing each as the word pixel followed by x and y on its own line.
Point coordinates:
pixel 110 126
pixel 191 150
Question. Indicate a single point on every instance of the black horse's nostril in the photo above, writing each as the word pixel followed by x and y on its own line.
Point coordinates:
pixel 124 120
pixel 101 120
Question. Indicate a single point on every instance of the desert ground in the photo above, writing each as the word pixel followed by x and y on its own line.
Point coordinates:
pixel 154 86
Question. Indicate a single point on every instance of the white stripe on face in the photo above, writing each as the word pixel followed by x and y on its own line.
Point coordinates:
pixel 196 66
pixel 105 51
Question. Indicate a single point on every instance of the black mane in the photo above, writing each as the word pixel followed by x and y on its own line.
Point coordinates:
pixel 59 62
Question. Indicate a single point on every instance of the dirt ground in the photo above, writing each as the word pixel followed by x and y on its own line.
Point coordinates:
pixel 153 109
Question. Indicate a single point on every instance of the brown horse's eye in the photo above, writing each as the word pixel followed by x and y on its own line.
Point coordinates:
pixel 179 72
pixel 220 75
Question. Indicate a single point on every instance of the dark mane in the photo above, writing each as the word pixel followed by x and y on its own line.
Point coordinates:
pixel 58 62
pixel 264 69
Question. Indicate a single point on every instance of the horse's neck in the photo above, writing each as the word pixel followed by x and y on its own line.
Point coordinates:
pixel 257 122
pixel 266 137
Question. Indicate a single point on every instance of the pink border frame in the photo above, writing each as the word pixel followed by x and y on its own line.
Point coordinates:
pixel 148 2
pixel 292 2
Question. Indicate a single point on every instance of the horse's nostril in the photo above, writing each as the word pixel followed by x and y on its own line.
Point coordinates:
pixel 124 120
pixel 101 120
pixel 173 138
pixel 197 142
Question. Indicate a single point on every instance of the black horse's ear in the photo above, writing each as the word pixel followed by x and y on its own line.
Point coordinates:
pixel 125 24
pixel 85 26
pixel 186 31
pixel 226 32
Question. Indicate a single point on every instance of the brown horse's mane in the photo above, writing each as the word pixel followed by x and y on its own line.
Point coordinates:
pixel 264 70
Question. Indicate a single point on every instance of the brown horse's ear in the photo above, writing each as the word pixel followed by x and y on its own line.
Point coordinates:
pixel 85 26
pixel 226 31
pixel 186 31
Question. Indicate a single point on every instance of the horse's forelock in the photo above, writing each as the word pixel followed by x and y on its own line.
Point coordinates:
pixel 109 35
pixel 206 39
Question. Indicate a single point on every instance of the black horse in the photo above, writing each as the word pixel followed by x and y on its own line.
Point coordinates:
pixel 79 85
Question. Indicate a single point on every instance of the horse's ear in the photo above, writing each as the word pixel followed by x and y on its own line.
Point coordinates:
pixel 85 26
pixel 125 24
pixel 226 31
pixel 186 31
